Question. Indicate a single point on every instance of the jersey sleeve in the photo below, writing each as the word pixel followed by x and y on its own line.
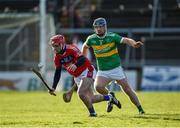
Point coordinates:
pixel 75 51
pixel 118 39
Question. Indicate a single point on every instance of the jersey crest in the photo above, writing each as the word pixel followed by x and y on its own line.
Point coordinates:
pixel 66 59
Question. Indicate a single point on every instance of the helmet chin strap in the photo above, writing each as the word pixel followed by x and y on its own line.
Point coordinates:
pixel 63 49
pixel 101 35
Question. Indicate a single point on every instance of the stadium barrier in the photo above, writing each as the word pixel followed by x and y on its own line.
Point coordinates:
pixel 27 81
pixel 161 78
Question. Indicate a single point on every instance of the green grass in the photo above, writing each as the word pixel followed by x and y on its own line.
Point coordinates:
pixel 39 109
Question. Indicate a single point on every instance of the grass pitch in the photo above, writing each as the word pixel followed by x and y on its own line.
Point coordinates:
pixel 39 109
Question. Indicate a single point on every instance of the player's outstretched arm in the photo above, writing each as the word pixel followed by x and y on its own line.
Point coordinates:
pixel 85 50
pixel 132 42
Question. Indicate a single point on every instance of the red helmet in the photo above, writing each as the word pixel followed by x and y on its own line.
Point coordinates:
pixel 58 39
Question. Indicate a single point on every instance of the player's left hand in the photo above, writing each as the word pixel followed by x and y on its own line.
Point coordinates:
pixel 72 67
pixel 52 92
pixel 138 44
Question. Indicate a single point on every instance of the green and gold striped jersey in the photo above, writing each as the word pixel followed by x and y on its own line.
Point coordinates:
pixel 105 50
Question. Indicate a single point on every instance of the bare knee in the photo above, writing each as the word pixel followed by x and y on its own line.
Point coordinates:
pixel 98 88
pixel 81 94
pixel 127 89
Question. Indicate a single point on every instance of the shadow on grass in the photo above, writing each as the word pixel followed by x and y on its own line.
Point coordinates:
pixel 161 116
pixel 109 116
pixel 147 116
pixel 77 122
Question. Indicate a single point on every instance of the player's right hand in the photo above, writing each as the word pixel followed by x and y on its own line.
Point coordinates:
pixel 52 92
pixel 138 44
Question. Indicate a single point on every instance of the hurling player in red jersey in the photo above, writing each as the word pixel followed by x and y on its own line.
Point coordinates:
pixel 70 57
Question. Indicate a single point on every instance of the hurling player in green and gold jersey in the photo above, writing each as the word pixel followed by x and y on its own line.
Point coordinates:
pixel 104 45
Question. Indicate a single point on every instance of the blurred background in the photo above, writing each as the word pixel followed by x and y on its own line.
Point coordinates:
pixel 27 25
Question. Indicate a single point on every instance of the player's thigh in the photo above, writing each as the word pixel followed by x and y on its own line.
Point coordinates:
pixel 85 85
pixel 102 81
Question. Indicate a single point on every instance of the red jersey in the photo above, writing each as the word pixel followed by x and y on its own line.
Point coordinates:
pixel 70 56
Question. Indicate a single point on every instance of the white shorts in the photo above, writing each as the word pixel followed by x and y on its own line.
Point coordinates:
pixel 114 74
pixel 84 74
